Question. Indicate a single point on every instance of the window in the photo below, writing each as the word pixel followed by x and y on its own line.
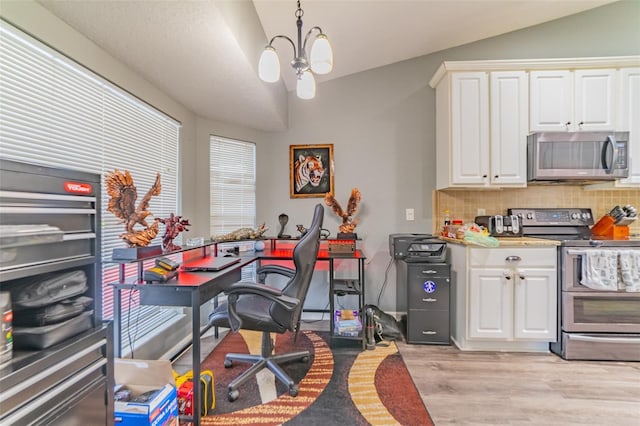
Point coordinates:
pixel 55 112
pixel 233 185
pixel 233 190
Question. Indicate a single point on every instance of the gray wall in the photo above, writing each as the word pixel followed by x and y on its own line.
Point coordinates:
pixel 381 122
pixel 382 125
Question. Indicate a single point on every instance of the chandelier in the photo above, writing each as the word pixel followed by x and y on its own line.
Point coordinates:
pixel 320 60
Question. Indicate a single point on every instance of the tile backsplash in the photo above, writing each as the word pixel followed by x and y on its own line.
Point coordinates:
pixel 464 204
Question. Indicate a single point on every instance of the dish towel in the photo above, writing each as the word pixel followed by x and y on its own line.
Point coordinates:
pixel 600 270
pixel 629 268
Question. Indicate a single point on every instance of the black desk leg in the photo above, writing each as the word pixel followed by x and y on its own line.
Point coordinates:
pixel 362 298
pixel 195 359
pixel 117 323
pixel 216 331
pixel 331 300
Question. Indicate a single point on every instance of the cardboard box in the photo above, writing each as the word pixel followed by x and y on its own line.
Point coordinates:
pixel 141 376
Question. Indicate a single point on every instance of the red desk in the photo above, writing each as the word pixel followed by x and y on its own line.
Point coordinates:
pixel 192 289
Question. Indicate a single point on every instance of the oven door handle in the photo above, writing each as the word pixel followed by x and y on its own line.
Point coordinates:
pixel 584 338
pixel 571 252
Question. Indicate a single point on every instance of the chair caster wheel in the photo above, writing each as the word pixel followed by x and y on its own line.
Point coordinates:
pixel 228 363
pixel 293 390
pixel 233 395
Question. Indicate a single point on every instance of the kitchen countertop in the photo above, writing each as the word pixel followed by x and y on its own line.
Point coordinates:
pixel 509 242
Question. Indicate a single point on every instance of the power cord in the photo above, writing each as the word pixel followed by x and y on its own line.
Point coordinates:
pixel 384 283
pixel 321 317
pixel 137 321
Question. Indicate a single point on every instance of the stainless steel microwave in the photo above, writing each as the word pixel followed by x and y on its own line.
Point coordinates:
pixel 577 156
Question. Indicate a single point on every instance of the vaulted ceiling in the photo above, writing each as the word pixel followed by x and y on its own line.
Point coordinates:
pixel 204 54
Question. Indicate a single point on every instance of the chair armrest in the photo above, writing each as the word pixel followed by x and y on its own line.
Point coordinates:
pixel 263 271
pixel 244 287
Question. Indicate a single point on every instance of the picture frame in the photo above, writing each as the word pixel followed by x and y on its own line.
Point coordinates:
pixel 310 170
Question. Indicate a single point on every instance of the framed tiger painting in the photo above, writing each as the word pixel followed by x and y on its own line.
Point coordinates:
pixel 310 170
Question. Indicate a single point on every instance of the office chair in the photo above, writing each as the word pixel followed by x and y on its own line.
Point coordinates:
pixel 256 306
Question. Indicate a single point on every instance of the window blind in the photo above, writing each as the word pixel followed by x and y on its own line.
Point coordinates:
pixel 232 184
pixel 57 113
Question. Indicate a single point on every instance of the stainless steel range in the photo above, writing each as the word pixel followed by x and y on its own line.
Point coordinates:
pixel 598 285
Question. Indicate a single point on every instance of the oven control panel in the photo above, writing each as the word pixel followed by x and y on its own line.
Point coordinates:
pixel 553 216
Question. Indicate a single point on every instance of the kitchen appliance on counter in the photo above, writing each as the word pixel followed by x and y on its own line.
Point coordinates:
pixel 598 314
pixel 616 223
pixel 577 156
pixel 417 248
pixel 501 226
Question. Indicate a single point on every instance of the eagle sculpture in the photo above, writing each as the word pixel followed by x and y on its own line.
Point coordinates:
pixel 123 193
pixel 349 223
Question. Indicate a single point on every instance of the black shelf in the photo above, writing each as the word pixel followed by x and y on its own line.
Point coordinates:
pixel 343 286
pixel 348 287
pixel 156 251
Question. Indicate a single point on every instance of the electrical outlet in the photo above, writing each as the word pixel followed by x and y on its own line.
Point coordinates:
pixel 481 212
pixel 409 214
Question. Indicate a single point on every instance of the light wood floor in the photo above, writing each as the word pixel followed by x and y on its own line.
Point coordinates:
pixel 494 388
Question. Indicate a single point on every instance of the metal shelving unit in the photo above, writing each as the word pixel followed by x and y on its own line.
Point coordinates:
pixel 353 286
pixel 69 380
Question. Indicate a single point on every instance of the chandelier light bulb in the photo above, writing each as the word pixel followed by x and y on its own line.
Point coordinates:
pixel 321 55
pixel 269 65
pixel 319 60
pixel 306 86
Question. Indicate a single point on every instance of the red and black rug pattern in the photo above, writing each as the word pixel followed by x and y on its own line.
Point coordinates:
pixel 340 384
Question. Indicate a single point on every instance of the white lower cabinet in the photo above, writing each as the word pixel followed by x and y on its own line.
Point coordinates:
pixel 511 304
pixel 504 298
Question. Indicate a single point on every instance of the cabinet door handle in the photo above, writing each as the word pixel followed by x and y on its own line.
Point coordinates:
pixel 567 124
pixel 507 275
pixel 513 259
pixel 484 176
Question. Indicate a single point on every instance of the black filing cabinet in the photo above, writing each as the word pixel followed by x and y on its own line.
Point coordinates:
pixel 428 289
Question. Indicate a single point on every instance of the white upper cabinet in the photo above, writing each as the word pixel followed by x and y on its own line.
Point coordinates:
pixel 509 124
pixel 486 109
pixel 469 128
pixel 550 107
pixel 629 120
pixel 481 127
pixel 573 100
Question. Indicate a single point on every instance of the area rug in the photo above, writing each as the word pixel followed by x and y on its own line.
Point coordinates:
pixel 340 385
